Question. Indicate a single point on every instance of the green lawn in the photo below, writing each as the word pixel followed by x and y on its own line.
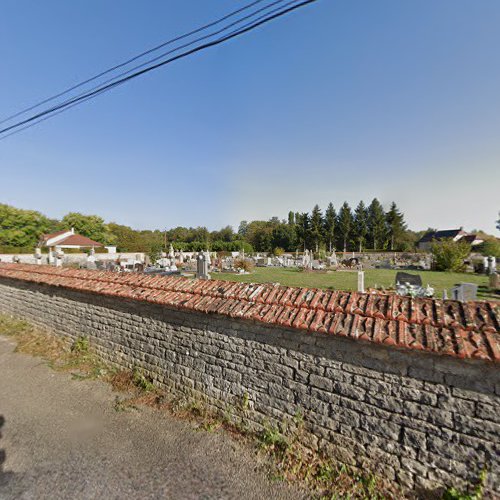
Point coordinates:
pixel 347 280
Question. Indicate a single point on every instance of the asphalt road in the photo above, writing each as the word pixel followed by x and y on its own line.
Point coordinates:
pixel 63 439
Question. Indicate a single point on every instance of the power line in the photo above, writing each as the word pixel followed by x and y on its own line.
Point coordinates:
pixel 135 58
pixel 70 102
pixel 82 98
pixel 210 35
pixel 176 49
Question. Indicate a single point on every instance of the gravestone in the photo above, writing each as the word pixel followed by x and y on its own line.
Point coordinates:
pixel 411 279
pixel 316 265
pixel 307 260
pixel 361 281
pixel 91 257
pixel 202 263
pixel 495 281
pixel 38 256
pixel 464 292
pixel 59 258
pixel 332 260
pixel 492 265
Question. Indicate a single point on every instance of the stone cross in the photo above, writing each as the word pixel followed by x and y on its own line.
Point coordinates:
pixel 307 260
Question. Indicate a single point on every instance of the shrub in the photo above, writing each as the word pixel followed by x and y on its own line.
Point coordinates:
pixel 80 345
pixel 279 251
pixel 449 255
pixel 490 247
pixel 246 264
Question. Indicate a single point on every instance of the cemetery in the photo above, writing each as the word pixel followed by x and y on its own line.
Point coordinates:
pixel 403 273
pixel 261 261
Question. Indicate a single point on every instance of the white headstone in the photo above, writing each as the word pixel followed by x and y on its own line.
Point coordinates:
pixel 361 281
pixel 492 264
pixel 38 256
pixel 59 258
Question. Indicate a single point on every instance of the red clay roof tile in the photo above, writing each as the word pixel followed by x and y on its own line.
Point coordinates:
pixel 463 330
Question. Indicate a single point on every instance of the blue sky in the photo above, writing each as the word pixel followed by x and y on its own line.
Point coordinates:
pixel 342 100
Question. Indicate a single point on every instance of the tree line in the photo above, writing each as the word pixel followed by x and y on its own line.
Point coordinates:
pixel 365 227
pixel 359 229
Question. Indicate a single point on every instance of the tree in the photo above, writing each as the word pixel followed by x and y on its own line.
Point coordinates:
pixel 316 228
pixel 329 225
pixel 344 224
pixel 360 229
pixel 224 234
pixel 91 226
pixel 154 252
pixel 284 236
pixel 498 221
pixel 126 238
pixel 302 221
pixel 376 224
pixel 490 247
pixel 259 235
pixel 21 228
pixel 242 229
pixel 396 226
pixel 450 255
pixel 291 218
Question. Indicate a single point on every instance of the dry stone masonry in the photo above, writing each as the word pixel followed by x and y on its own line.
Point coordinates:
pixel 407 388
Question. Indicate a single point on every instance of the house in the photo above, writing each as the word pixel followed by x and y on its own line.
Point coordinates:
pixel 67 239
pixel 454 234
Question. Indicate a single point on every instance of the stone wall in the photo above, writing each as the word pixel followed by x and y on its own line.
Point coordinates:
pixel 420 419
pixel 80 258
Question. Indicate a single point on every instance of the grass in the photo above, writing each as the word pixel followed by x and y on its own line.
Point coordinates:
pixel 348 280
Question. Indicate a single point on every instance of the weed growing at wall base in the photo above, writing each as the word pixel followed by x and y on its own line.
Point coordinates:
pixel 284 444
pixel 477 493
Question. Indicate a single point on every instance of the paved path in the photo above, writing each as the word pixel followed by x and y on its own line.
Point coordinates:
pixel 62 438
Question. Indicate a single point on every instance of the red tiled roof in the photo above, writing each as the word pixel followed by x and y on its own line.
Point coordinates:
pixel 463 330
pixel 46 237
pixel 79 240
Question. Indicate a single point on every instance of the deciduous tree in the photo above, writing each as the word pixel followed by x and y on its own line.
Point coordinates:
pixel 450 255
pixel 91 226
pixel 21 228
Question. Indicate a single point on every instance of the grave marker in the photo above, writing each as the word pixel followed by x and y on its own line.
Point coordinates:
pixel 464 292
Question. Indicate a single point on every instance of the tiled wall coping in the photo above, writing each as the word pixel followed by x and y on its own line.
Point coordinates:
pixel 461 330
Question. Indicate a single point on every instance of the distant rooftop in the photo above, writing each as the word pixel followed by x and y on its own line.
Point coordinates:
pixel 442 234
pixel 67 238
